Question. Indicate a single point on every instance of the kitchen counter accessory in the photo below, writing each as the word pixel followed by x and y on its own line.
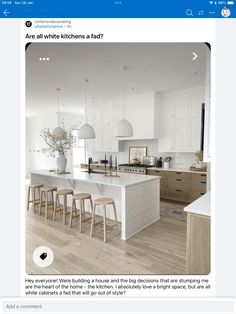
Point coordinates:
pixel 149 161
pixel 159 162
pixel 167 162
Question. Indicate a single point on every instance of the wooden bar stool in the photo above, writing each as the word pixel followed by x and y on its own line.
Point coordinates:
pixel 104 202
pixel 80 197
pixel 64 193
pixel 44 195
pixel 31 190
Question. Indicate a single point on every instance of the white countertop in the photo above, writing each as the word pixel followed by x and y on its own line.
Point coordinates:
pixel 124 179
pixel 201 206
pixel 177 170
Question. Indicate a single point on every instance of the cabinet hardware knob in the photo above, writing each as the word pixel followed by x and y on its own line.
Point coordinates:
pixel 178 190
pixel 203 182
pixel 178 180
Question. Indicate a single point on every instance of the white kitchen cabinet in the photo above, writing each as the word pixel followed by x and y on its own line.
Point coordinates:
pixel 165 134
pixel 207 129
pixel 180 135
pixel 179 120
pixel 101 118
pixel 141 111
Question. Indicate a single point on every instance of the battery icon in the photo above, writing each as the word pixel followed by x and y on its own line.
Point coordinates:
pixel 230 2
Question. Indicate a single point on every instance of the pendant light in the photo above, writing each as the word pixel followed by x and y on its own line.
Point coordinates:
pixel 58 132
pixel 86 131
pixel 124 128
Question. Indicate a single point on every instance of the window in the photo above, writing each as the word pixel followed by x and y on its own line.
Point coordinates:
pixel 78 152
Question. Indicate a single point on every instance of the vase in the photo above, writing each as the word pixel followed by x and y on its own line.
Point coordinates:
pixel 61 163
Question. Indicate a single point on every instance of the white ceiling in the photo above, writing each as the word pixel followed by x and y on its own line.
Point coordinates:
pixel 151 66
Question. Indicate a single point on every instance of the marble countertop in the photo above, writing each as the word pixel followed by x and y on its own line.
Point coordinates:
pixel 201 206
pixel 177 170
pixel 124 179
pixel 156 168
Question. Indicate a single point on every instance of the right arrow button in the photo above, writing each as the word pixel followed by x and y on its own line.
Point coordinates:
pixel 194 56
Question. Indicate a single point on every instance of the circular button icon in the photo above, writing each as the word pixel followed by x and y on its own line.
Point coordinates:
pixel 43 256
pixel 225 12
pixel 28 23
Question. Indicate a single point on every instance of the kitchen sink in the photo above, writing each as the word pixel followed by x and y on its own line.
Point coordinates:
pixel 93 171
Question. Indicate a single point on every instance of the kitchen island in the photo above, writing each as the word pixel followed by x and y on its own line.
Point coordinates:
pixel 137 196
pixel 198 247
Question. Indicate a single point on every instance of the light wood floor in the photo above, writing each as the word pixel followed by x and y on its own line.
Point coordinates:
pixel 159 249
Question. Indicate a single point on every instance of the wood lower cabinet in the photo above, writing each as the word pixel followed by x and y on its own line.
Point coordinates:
pixel 197 186
pixel 179 185
pixel 198 244
pixel 163 182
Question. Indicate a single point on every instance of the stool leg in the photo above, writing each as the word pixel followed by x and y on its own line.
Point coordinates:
pixel 55 208
pixel 116 220
pixel 92 221
pixel 80 215
pixel 46 205
pixel 91 204
pixel 40 201
pixel 104 223
pixel 64 209
pixel 34 200
pixel 28 198
pixel 52 197
pixel 71 212
pixel 38 195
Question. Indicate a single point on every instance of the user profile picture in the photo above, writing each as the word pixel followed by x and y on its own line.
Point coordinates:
pixel 28 23
pixel 225 12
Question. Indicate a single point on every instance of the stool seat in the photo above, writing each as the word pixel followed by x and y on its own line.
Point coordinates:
pixel 82 196
pixel 48 188
pixel 35 185
pixel 65 192
pixel 45 191
pixel 103 201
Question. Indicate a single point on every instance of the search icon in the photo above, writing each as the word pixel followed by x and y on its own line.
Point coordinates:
pixel 189 12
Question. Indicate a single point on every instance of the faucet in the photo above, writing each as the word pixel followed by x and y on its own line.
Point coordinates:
pixel 90 160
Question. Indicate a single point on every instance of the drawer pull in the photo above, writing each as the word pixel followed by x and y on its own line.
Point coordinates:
pixel 178 172
pixel 203 175
pixel 157 171
pixel 202 193
pixel 178 180
pixel 203 182
pixel 178 190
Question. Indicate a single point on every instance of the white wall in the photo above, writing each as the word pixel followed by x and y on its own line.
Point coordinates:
pixel 179 160
pixel 35 158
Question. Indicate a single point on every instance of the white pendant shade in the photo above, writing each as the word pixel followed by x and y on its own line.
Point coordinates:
pixel 59 133
pixel 86 132
pixel 124 129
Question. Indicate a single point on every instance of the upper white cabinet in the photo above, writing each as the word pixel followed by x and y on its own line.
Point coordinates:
pixel 141 111
pixel 207 129
pixel 101 118
pixel 179 120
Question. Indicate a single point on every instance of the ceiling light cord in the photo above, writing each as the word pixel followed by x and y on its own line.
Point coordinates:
pixel 123 95
pixel 86 99
pixel 58 106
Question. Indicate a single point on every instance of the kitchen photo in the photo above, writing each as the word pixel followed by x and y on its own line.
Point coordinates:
pixel 117 159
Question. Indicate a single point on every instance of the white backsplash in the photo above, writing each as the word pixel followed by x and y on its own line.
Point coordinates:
pixel 178 160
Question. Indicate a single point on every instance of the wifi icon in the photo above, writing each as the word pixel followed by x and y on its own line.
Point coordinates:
pixel 211 2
